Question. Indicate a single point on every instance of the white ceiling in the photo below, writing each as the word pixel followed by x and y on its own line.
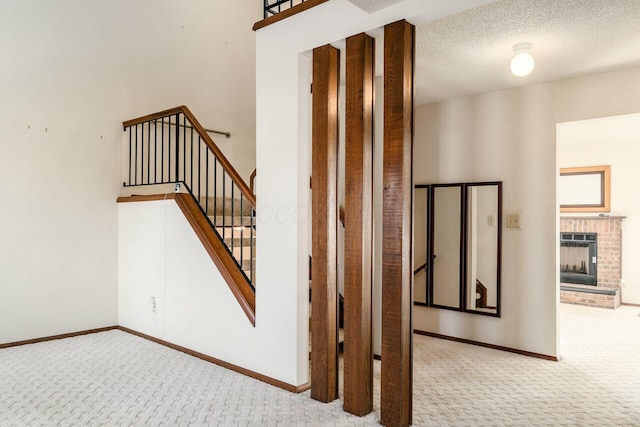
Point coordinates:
pixel 469 52
pixel 374 5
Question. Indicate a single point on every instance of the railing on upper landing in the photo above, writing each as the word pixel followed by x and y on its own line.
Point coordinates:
pixel 271 7
pixel 171 147
pixel 276 10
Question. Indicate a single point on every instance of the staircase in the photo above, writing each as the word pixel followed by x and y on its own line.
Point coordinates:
pixel 171 147
pixel 235 222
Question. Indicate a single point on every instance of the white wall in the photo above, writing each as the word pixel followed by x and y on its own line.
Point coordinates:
pixel 510 136
pixel 161 256
pixel 613 141
pixel 72 71
pixel 283 75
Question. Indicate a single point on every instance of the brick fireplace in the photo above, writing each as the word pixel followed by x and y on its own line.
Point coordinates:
pixel 604 289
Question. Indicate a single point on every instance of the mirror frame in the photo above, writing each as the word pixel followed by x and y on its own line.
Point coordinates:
pixel 424 266
pixel 498 184
pixel 429 241
pixel 603 175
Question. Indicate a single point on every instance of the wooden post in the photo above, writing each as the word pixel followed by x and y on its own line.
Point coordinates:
pixel 397 275
pixel 358 232
pixel 324 327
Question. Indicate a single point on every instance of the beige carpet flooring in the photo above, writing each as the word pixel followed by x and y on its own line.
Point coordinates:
pixel 113 378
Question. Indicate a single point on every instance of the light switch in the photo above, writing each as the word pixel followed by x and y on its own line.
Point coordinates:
pixel 513 220
pixel 491 219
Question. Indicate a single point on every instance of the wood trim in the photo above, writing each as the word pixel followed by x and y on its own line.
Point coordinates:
pixel 396 392
pixel 492 346
pixel 222 160
pixel 146 198
pixel 236 281
pixel 630 304
pixel 227 365
pixel 287 13
pixel 324 328
pixel 252 180
pixel 358 223
pixel 57 337
pixel 155 116
pixel 605 191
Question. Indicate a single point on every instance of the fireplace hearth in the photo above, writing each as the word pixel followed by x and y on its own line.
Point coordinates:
pixel 578 258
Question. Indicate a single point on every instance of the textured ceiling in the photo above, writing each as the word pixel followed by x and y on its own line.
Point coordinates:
pixel 470 52
pixel 374 5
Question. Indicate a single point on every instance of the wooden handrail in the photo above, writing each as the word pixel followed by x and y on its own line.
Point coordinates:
pixel 226 165
pixel 154 116
pixel 252 179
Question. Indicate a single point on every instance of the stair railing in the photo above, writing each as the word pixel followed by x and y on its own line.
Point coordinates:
pixel 171 147
pixel 272 7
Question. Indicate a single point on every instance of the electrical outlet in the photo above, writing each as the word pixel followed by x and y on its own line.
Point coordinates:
pixel 512 220
pixel 152 304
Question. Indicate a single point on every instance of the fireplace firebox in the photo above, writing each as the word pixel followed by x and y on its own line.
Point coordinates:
pixel 578 258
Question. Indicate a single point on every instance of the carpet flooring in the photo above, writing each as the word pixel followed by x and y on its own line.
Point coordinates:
pixel 114 378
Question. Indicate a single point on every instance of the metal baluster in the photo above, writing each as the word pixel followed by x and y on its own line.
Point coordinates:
pixel 170 150
pixel 215 184
pixel 206 181
pixel 149 152
pixel 251 247
pixel 184 148
pixel 142 154
pixel 135 168
pixel 162 151
pixel 233 219
pixel 155 151
pixel 242 230
pixel 224 201
pixel 199 172
pixel 191 167
pixel 130 155
pixel 177 147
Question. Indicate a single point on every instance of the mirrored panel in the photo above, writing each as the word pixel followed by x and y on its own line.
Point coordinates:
pixel 483 237
pixel 446 254
pixel 457 246
pixel 420 243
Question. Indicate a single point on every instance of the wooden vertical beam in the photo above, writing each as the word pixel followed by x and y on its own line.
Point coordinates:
pixel 358 232
pixel 324 328
pixel 397 275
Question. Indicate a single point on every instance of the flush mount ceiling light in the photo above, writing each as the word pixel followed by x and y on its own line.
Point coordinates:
pixel 522 63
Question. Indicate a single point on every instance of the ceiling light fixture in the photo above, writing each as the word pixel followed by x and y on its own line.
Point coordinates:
pixel 522 63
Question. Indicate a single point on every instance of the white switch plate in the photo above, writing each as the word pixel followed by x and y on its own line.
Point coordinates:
pixel 512 220
pixel 491 219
